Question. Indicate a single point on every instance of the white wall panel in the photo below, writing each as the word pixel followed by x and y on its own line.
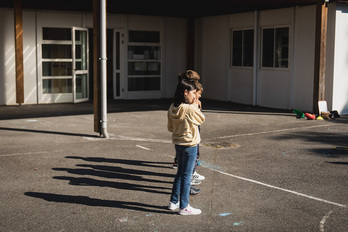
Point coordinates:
pixel 340 78
pixel 7 58
pixel 304 58
pixel 241 78
pixel 274 84
pixel 241 85
pixel 216 53
pixel 175 54
pixel 29 57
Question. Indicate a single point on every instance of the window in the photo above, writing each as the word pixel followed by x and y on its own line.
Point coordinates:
pixel 64 59
pixel 243 48
pixel 275 47
pixel 56 60
pixel 144 61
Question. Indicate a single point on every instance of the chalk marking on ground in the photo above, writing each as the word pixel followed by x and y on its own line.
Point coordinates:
pixel 24 153
pixel 268 132
pixel 322 222
pixel 145 148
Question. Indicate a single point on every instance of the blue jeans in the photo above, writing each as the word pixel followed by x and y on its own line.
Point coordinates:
pixel 181 188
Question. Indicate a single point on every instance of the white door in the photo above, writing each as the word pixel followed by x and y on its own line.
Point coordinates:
pixel 80 64
pixel 118 73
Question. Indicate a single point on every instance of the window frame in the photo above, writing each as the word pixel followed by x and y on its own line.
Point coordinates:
pixel 242 47
pixel 54 60
pixel 136 64
pixel 274 47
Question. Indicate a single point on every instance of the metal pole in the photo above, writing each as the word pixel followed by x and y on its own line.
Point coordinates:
pixel 103 58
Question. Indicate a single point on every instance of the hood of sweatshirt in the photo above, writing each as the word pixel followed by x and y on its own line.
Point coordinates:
pixel 177 114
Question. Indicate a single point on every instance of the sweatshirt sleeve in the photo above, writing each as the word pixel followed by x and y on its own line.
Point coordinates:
pixel 195 115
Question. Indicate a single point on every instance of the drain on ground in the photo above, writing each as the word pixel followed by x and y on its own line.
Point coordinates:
pixel 221 145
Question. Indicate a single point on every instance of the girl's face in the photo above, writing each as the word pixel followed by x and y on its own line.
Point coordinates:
pixel 199 94
pixel 190 96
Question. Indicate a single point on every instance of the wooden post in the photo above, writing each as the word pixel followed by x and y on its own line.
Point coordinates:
pixel 320 55
pixel 190 43
pixel 96 66
pixel 18 20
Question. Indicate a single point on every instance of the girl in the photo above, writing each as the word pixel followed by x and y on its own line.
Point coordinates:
pixel 188 75
pixel 195 175
pixel 184 117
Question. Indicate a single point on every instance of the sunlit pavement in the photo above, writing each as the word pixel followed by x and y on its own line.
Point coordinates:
pixel 265 170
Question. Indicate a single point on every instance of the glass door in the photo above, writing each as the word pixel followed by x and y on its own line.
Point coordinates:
pixel 80 64
pixel 118 74
pixel 55 75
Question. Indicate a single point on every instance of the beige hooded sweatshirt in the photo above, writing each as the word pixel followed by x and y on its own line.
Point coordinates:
pixel 183 122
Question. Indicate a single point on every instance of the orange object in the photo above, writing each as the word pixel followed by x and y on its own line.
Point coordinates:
pixel 309 116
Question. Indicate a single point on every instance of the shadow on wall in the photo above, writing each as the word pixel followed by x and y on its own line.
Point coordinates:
pixel 345 108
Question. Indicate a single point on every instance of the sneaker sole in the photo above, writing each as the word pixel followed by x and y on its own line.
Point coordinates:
pixel 195 183
pixel 189 214
pixel 195 194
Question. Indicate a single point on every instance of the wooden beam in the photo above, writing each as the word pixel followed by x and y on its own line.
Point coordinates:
pixel 18 20
pixel 320 55
pixel 190 43
pixel 96 67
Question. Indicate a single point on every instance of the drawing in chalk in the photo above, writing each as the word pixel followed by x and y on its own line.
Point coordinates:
pixel 210 166
pixel 224 214
pixel 238 223
pixel 123 219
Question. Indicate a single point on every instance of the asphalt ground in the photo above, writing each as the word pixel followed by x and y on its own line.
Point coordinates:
pixel 265 170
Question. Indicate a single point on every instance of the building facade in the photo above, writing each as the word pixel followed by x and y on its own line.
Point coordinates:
pixel 263 58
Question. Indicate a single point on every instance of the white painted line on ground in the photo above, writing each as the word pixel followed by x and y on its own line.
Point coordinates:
pixel 267 132
pixel 216 169
pixel 25 153
pixel 145 148
pixel 283 189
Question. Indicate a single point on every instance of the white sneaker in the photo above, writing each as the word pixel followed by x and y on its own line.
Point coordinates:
pixel 197 176
pixel 189 211
pixel 173 206
pixel 195 182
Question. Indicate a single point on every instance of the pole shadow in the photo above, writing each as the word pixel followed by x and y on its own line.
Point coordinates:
pixel 48 132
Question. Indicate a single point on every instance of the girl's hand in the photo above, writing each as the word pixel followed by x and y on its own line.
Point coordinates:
pixel 199 104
